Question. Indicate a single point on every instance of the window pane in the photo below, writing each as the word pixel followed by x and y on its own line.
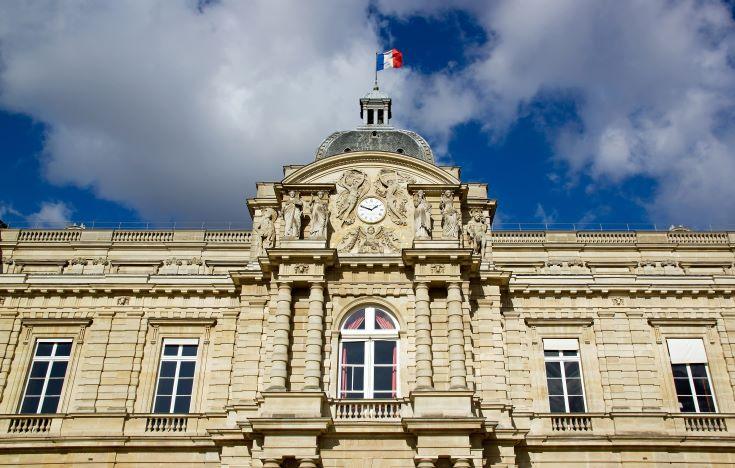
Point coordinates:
pixel 187 369
pixel 574 386
pixel 354 395
pixel 390 394
pixel 184 387
pixel 355 378
pixel 701 387
pixel 551 353
pixel 679 370
pixel 699 370
pixel 555 387
pixel 706 404
pixel 39 369
pixel 44 348
pixel 385 352
pixel 383 321
pixel 58 369
pixel 189 350
pixel 682 387
pixel 356 321
pixel 30 404
pixel 163 404
pixel 553 369
pixel 182 404
pixel 569 353
pixel 165 386
pixel 35 386
pixel 168 369
pixel 353 352
pixel 171 350
pixel 383 378
pixel 686 404
pixel 54 386
pixel 556 404
pixel 576 404
pixel 63 349
pixel 571 369
pixel 50 404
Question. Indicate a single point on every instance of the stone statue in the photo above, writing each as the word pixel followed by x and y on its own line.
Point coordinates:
pixel 319 216
pixel 265 231
pixel 370 241
pixel 421 215
pixel 391 185
pixel 292 210
pixel 450 216
pixel 355 185
pixel 475 232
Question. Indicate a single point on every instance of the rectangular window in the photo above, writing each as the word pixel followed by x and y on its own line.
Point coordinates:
pixel 691 376
pixel 176 376
pixel 380 116
pixel 369 369
pixel 564 376
pixel 46 377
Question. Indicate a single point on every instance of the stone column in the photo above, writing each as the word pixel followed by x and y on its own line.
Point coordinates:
pixel 314 340
pixel 457 369
pixel 462 463
pixel 281 339
pixel 424 373
pixel 271 463
pixel 425 463
pixel 308 463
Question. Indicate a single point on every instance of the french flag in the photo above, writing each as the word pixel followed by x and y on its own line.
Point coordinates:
pixel 391 59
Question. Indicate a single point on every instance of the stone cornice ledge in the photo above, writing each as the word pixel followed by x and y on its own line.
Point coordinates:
pixel 682 322
pixel 552 322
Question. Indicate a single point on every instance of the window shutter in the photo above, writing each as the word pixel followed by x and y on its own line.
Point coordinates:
pixel 686 351
pixel 561 344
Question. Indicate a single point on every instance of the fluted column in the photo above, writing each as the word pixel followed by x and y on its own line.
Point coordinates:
pixel 281 338
pixel 314 339
pixel 425 463
pixel 424 373
pixel 457 369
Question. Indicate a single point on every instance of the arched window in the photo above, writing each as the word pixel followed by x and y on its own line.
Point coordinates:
pixel 368 355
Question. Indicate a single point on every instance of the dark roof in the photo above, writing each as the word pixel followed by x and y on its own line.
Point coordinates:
pixel 376 139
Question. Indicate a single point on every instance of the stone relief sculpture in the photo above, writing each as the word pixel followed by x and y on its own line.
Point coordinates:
pixel 475 232
pixel 265 232
pixel 319 216
pixel 355 185
pixel 292 211
pixel 450 216
pixel 370 241
pixel 421 215
pixel 391 185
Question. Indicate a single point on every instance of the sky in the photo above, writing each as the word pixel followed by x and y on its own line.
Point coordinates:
pixel 576 114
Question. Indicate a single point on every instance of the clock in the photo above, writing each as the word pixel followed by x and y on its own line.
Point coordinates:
pixel 371 210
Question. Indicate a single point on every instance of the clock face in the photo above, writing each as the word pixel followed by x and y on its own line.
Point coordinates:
pixel 371 210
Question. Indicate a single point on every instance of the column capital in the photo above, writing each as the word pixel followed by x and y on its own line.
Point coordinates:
pixel 308 463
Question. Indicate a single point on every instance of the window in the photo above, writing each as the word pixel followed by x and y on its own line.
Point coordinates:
pixel 176 376
pixel 564 376
pixel 46 377
pixel 691 376
pixel 380 116
pixel 370 116
pixel 368 365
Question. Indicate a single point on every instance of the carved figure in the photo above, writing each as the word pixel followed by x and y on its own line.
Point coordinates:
pixel 291 212
pixel 391 185
pixel 450 216
pixel 369 241
pixel 354 184
pixel 421 215
pixel 265 231
pixel 319 216
pixel 475 232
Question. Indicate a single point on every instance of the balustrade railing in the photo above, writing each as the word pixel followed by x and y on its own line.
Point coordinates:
pixel 367 410
pixel 227 236
pixel 707 238
pixel 166 424
pixel 518 237
pixel 571 423
pixel 29 424
pixel 606 237
pixel 705 424
pixel 49 235
pixel 142 236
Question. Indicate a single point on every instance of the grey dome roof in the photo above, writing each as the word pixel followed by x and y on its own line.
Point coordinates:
pixel 376 139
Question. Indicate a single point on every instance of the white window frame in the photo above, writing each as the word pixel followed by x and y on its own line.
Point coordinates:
pixel 369 335
pixel 694 394
pixel 561 360
pixel 698 358
pixel 178 359
pixel 51 360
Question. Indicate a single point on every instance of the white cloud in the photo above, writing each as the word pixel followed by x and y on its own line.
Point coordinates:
pixel 50 215
pixel 7 209
pixel 543 217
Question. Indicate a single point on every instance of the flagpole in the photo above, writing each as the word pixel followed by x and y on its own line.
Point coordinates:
pixel 375 64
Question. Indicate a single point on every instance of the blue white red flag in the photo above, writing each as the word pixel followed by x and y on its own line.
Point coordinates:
pixel 391 59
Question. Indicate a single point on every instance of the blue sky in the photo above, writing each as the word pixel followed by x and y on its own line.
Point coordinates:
pixel 571 111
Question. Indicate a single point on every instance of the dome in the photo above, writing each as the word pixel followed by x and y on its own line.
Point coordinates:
pixel 376 139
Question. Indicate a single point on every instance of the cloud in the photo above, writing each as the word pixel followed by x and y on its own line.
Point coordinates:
pixel 50 215
pixel 7 209
pixel 543 216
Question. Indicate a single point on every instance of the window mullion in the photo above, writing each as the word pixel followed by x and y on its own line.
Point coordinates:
pixel 369 368
pixel 45 382
pixel 175 387
pixel 691 387
pixel 564 386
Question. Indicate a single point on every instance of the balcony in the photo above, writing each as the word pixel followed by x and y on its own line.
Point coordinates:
pixel 369 410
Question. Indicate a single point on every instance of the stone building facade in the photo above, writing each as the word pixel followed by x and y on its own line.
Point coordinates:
pixel 371 318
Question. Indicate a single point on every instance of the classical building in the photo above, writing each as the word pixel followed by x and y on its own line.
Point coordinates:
pixel 371 318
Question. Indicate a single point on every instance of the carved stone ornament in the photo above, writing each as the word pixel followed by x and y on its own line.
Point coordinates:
pixel 437 269
pixel 319 216
pixel 301 269
pixel 265 232
pixel 370 241
pixel 450 216
pixel 292 211
pixel 391 185
pixel 421 216
pixel 476 232
pixel 354 184
pixel 123 301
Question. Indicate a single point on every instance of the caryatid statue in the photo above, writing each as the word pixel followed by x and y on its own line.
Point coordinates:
pixel 319 216
pixel 476 231
pixel 450 216
pixel 292 211
pixel 421 215
pixel 265 231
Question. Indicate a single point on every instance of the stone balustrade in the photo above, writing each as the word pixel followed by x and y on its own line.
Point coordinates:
pixel 369 410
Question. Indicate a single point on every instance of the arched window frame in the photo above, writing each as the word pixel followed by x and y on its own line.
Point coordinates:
pixel 369 335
